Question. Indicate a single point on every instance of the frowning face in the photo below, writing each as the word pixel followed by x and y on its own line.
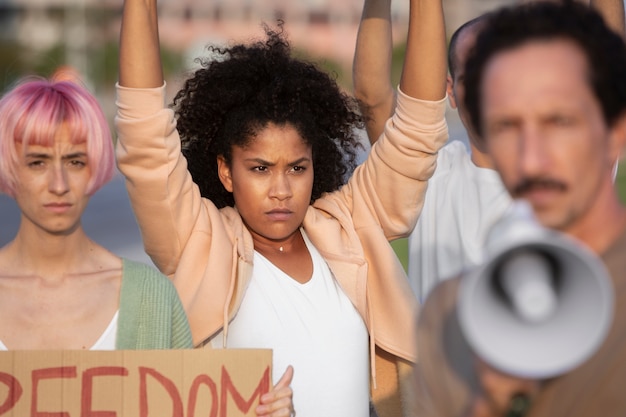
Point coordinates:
pixel 52 184
pixel 271 179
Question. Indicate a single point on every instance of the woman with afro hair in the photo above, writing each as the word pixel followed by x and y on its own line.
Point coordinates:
pixel 239 193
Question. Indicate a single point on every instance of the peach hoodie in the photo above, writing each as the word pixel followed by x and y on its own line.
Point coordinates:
pixel 208 252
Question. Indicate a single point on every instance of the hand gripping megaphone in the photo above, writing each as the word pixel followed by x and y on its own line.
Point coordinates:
pixel 540 305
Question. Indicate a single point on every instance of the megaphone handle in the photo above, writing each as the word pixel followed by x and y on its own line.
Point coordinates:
pixel 501 394
pixel 520 405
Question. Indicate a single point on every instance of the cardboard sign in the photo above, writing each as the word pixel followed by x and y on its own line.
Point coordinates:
pixel 124 383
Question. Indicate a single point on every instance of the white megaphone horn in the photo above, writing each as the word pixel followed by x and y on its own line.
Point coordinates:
pixel 540 305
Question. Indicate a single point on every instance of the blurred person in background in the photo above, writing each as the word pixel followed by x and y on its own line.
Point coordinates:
pixel 546 90
pixel 465 195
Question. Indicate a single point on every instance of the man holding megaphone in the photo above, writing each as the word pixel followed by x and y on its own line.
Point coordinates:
pixel 540 328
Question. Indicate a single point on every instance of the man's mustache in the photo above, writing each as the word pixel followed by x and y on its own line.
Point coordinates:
pixel 531 184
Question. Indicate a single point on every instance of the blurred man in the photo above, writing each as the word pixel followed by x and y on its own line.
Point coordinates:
pixel 465 195
pixel 546 90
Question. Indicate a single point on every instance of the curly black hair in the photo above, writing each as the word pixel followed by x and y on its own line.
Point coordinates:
pixel 239 90
pixel 513 26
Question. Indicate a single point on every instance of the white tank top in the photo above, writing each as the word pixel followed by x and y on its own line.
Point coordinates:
pixel 312 326
pixel 105 342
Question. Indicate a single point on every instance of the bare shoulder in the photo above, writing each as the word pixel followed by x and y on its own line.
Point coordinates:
pixel 101 259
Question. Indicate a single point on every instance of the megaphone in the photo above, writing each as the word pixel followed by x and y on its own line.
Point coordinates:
pixel 540 305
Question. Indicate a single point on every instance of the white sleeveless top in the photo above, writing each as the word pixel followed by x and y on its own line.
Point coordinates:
pixel 313 327
pixel 105 342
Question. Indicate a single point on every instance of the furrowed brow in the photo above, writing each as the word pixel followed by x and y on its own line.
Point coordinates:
pixel 74 155
pixel 299 161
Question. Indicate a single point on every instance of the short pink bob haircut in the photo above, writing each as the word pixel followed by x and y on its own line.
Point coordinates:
pixel 33 111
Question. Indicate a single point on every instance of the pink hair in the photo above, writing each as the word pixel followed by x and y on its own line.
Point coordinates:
pixel 35 109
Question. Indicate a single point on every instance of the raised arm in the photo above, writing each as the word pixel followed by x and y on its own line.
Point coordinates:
pixel 408 146
pixel 425 67
pixel 140 57
pixel 371 69
pixel 164 199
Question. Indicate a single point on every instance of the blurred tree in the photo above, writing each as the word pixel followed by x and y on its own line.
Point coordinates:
pixel 11 64
pixel 397 59
pixel 104 64
pixel 45 63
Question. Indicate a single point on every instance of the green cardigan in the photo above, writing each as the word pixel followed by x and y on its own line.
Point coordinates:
pixel 150 314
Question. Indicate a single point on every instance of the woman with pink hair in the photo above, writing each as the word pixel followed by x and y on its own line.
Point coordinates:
pixel 58 288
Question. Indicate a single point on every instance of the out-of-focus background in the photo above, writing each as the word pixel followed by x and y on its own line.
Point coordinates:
pixel 39 36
